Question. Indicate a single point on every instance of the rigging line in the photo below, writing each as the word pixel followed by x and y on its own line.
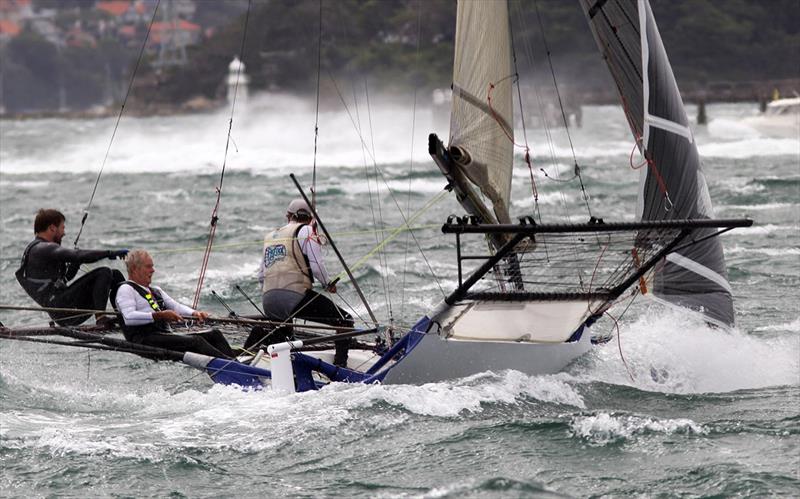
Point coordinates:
pixel 529 52
pixel 352 309
pixel 396 232
pixel 316 113
pixel 411 157
pixel 391 194
pixel 534 190
pixel 619 345
pixel 528 47
pixel 382 257
pixel 364 150
pixel 637 132
pixel 116 125
pixel 214 213
pixel 561 106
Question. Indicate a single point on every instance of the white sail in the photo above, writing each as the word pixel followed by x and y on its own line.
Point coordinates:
pixel 481 130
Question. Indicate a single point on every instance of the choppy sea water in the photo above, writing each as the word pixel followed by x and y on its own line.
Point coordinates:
pixel 697 411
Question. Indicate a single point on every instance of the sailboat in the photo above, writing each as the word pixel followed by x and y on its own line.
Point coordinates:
pixel 528 293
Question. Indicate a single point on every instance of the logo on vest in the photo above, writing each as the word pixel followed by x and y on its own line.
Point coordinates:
pixel 274 254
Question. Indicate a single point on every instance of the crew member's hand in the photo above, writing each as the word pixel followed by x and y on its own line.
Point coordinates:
pixel 331 288
pixel 120 253
pixel 200 315
pixel 167 315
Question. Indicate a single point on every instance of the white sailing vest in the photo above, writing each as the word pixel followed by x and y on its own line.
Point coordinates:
pixel 283 263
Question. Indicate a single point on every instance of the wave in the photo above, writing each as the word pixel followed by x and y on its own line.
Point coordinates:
pixel 673 352
pixel 605 428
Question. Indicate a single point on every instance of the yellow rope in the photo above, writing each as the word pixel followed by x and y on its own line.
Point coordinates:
pixel 396 232
pixel 339 235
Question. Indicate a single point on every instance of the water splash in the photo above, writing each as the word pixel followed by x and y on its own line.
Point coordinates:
pixel 673 352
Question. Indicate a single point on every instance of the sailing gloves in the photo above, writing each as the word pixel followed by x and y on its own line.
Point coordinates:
pixel 114 254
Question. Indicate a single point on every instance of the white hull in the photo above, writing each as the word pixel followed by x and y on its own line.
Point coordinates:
pixel 438 359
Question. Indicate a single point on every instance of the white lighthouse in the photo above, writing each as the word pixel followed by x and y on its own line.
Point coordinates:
pixel 236 74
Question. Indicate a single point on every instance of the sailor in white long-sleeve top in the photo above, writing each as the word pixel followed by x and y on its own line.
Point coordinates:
pixel 147 311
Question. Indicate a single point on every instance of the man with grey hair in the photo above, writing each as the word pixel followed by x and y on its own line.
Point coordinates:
pixel 147 312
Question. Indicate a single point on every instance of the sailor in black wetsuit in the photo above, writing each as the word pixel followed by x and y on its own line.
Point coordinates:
pixel 47 267
pixel 147 311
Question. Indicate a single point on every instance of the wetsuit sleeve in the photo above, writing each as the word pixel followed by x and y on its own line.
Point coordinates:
pixel 128 304
pixel 171 304
pixel 312 249
pixel 58 252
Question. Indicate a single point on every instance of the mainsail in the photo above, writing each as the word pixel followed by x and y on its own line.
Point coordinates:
pixel 481 123
pixel 672 184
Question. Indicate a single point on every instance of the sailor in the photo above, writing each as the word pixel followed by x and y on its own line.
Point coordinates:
pixel 291 261
pixel 47 267
pixel 147 312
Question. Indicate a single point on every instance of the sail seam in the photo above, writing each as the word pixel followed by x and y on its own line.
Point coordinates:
pixel 699 269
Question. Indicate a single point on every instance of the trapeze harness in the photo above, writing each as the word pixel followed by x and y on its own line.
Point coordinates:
pixel 156 302
pixel 41 290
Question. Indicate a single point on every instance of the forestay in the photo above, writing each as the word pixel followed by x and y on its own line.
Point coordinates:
pixel 481 118
pixel 672 184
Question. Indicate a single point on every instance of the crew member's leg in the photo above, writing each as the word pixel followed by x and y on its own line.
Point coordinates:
pixel 89 292
pixel 215 338
pixel 179 343
pixel 319 308
pixel 278 305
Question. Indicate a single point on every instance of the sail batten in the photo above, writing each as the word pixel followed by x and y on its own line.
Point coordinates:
pixel 672 184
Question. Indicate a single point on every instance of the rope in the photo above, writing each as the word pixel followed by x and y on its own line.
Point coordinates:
pixel 386 183
pixel 382 257
pixel 637 133
pixel 214 213
pixel 619 346
pixel 116 125
pixel 396 232
pixel 316 117
pixel 577 168
pixel 411 159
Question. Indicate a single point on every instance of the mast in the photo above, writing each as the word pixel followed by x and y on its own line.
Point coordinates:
pixel 671 183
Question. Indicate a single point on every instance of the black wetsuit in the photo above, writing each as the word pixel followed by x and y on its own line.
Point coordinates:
pixel 47 267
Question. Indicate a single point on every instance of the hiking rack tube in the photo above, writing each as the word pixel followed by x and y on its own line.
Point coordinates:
pixel 597 226
pixel 522 230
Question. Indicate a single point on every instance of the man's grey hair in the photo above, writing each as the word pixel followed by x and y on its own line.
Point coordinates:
pixel 135 259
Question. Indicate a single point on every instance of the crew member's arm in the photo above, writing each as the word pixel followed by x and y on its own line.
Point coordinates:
pixel 312 249
pixel 74 257
pixel 180 308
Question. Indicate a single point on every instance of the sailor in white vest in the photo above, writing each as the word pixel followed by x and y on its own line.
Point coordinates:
pixel 291 261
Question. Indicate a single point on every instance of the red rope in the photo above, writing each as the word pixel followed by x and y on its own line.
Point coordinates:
pixel 619 345
pixel 534 189
pixel 594 272
pixel 633 150
pixel 207 254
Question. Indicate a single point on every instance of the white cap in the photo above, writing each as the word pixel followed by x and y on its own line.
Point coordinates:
pixel 299 207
